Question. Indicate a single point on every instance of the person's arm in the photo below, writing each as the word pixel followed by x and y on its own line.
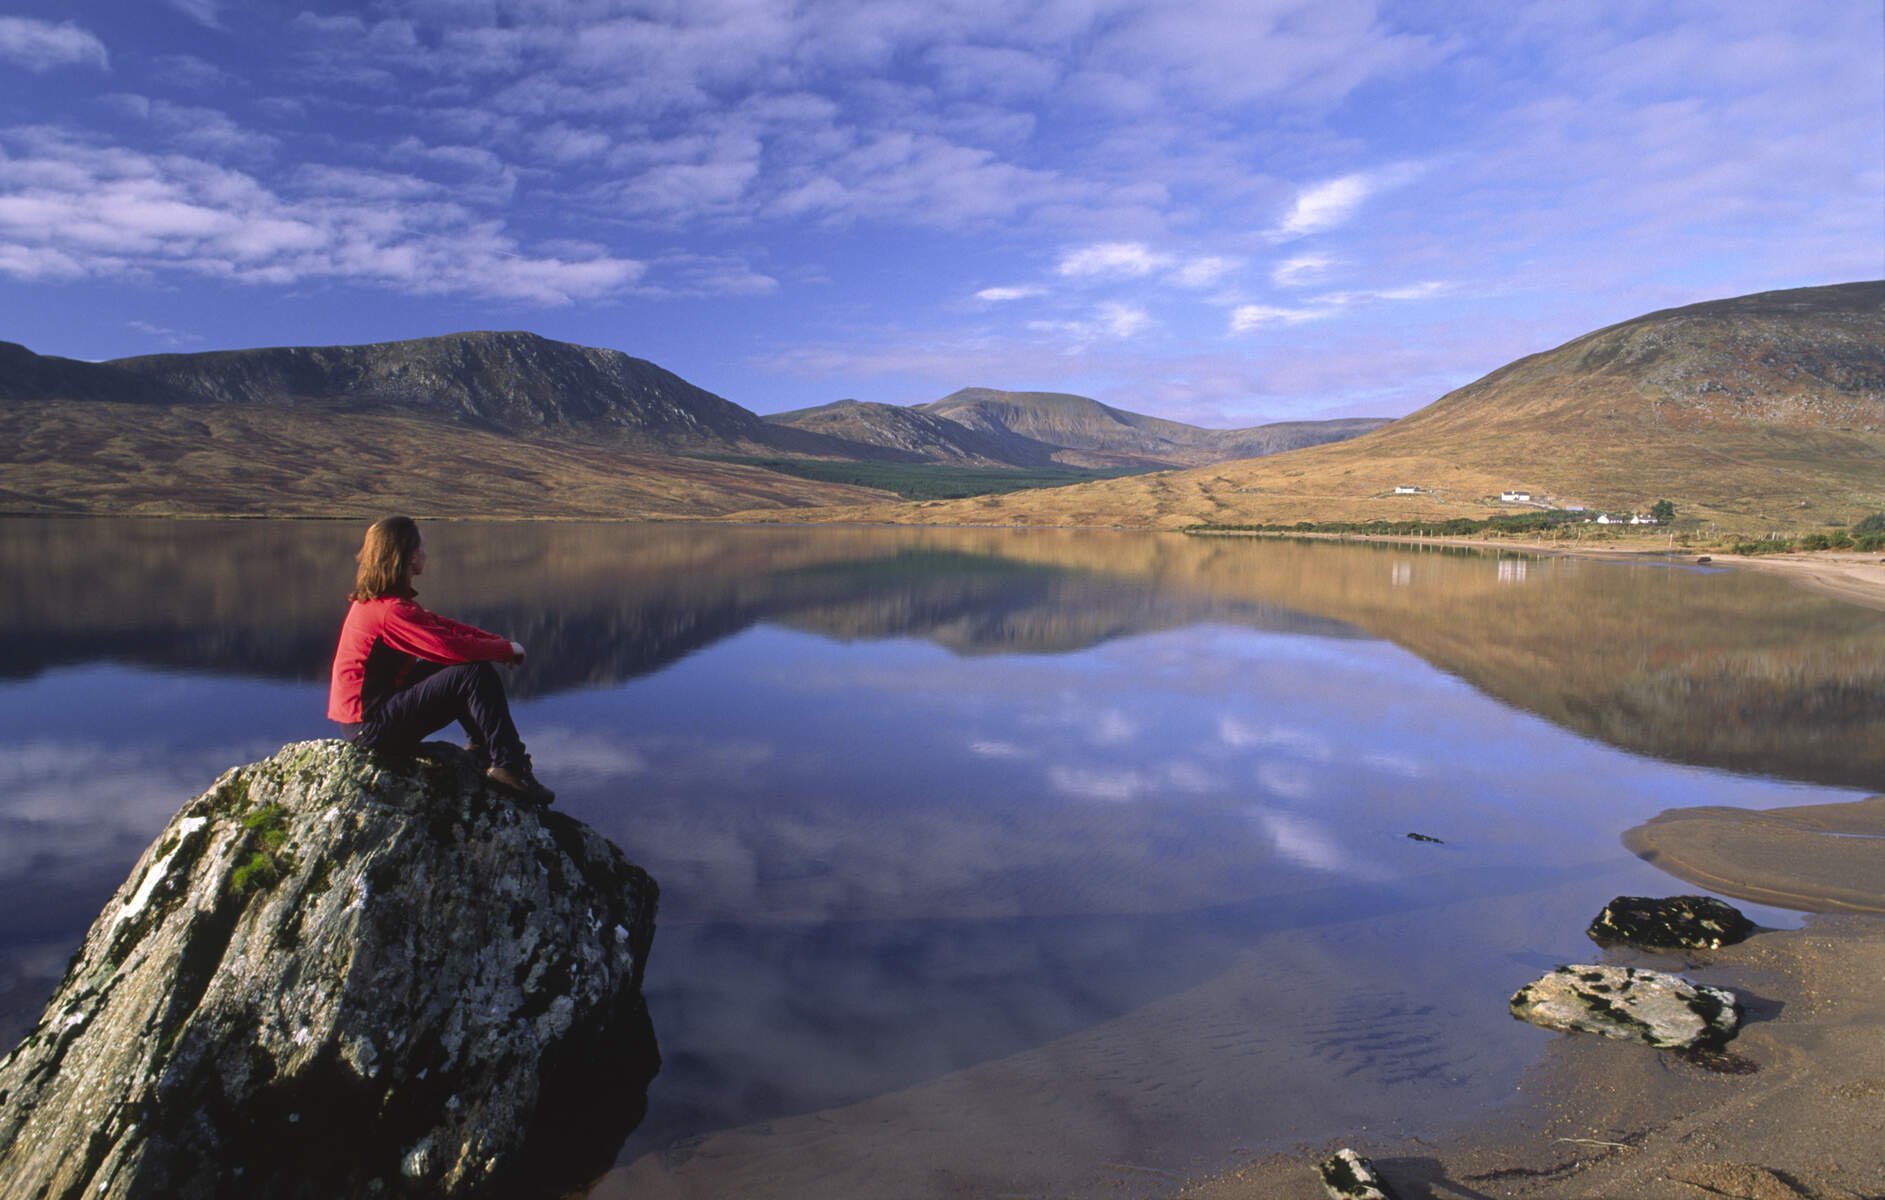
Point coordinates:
pixel 414 630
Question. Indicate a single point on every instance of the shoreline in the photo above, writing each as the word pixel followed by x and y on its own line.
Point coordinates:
pixel 1857 577
pixel 1789 1110
pixel 1794 1115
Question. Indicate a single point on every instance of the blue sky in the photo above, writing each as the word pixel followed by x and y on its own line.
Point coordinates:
pixel 1220 211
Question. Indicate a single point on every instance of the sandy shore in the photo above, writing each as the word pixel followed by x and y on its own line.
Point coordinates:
pixel 1849 575
pixel 1799 1110
pixel 1842 574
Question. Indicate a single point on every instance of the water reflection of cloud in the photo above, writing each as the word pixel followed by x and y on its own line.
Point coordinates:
pixel 1288 780
pixel 83 802
pixel 1111 727
pixel 1115 786
pixel 1312 844
pixel 1242 733
pixel 990 748
pixel 590 753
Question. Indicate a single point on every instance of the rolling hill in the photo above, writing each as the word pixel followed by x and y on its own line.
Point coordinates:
pixel 470 424
pixel 1762 412
pixel 986 427
pixel 1091 434
pixel 910 435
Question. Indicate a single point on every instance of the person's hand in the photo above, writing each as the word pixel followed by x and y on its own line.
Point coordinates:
pixel 517 653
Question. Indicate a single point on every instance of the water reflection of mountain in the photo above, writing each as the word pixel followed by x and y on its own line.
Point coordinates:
pixel 612 605
pixel 1742 673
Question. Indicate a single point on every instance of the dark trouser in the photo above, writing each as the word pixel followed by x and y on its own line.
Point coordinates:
pixel 470 693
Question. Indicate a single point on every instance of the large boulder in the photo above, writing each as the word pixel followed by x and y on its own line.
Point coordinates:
pixel 342 974
pixel 1652 1007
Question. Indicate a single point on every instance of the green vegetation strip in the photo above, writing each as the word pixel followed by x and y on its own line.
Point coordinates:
pixel 1511 523
pixel 925 481
pixel 1866 535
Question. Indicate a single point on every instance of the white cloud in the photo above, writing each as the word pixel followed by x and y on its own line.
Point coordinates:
pixel 1246 317
pixel 1325 206
pixel 1114 259
pixel 69 209
pixel 997 295
pixel 1123 321
pixel 207 13
pixel 1301 269
pixel 41 45
pixel 1110 322
pixel 171 337
pixel 1204 272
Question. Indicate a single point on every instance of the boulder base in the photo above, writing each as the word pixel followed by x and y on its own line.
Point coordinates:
pixel 337 974
pixel 1652 1007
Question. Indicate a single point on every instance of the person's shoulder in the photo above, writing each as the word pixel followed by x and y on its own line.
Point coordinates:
pixel 385 605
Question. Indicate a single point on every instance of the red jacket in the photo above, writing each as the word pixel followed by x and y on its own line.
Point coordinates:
pixel 383 639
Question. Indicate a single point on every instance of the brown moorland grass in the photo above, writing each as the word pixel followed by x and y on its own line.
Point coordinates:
pixel 233 460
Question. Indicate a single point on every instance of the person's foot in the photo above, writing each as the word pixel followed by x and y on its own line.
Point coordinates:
pixel 520 782
pixel 480 754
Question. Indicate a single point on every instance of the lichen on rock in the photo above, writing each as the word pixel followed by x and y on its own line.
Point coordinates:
pixel 1653 1007
pixel 337 973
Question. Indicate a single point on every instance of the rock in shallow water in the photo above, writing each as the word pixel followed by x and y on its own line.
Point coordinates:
pixel 1652 1007
pixel 1673 923
pixel 336 973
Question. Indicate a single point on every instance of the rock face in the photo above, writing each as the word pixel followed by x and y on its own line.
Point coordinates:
pixel 1652 1007
pixel 342 974
pixel 1674 923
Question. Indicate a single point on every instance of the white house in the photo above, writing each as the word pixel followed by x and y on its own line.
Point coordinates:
pixel 1405 489
pixel 1516 497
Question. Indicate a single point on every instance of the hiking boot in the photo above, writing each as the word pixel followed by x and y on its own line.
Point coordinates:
pixel 480 754
pixel 520 782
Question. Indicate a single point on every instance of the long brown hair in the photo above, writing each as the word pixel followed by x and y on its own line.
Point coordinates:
pixel 385 559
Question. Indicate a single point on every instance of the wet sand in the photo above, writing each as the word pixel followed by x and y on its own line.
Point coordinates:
pixel 1798 1111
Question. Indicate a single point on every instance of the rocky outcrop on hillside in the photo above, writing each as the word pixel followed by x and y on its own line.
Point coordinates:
pixel 340 974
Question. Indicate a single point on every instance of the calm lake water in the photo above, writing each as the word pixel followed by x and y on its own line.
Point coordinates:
pixel 1042 863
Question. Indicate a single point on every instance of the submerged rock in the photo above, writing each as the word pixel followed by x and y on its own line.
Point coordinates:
pixel 1652 1007
pixel 1346 1175
pixel 341 974
pixel 1674 923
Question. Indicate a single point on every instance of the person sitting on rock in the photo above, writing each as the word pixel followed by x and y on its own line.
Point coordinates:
pixel 402 673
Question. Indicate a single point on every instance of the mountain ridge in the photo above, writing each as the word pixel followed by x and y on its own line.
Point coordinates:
pixel 1751 413
pixel 1764 411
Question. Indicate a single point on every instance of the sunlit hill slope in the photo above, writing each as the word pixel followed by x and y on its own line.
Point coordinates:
pixel 1760 412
